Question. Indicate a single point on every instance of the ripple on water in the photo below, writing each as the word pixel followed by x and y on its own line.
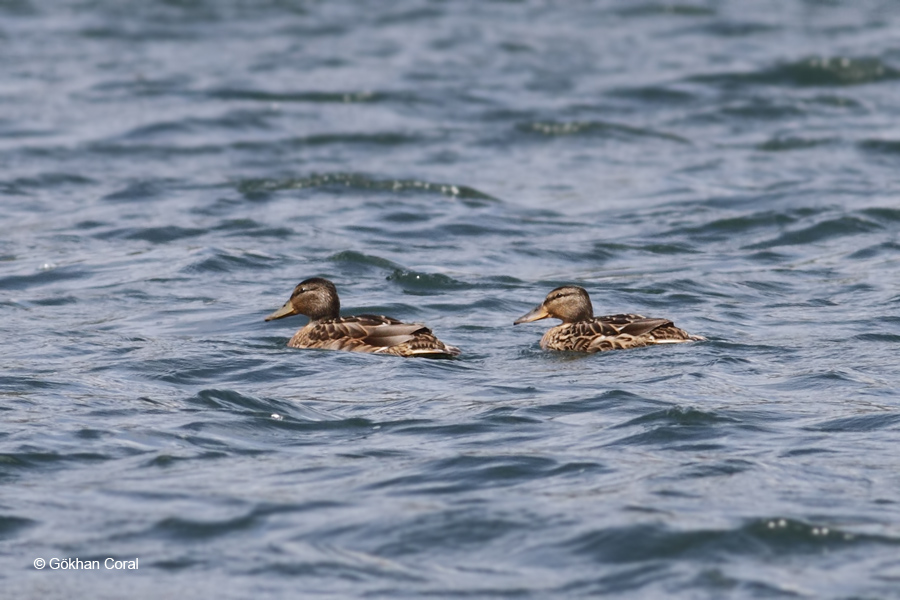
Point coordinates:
pixel 50 180
pixel 607 401
pixel 192 530
pixel 881 146
pixel 886 338
pixel 44 276
pixel 596 128
pixel 255 188
pixel 314 97
pixel 729 227
pixel 16 463
pixel 363 261
pixel 882 214
pixel 820 232
pixel 275 413
pixel 229 121
pixel 419 281
pixel 761 537
pixel 657 94
pixel 478 472
pixel 656 9
pixel 219 260
pixel 145 189
pixel 240 228
pixel 10 526
pixel 454 531
pixel 812 71
pixel 154 235
pixel 675 427
pixel 870 422
pixel 788 143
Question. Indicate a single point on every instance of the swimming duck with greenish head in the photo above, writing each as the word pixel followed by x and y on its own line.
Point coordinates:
pixel 581 331
pixel 317 298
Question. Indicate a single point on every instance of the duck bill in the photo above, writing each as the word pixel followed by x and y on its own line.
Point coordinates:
pixel 535 315
pixel 285 311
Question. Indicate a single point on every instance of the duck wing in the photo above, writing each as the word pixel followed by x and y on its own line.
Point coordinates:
pixel 405 339
pixel 645 330
pixel 634 325
pixel 374 331
pixel 614 332
pixel 374 334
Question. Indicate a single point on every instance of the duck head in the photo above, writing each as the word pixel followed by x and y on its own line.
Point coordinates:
pixel 569 303
pixel 316 298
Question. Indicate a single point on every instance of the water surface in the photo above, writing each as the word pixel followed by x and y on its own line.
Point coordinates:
pixel 170 170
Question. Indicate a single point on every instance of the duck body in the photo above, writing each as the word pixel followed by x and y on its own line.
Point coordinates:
pixel 613 332
pixel 374 334
pixel 580 331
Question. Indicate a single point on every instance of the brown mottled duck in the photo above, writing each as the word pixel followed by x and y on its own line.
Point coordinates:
pixel 581 331
pixel 317 299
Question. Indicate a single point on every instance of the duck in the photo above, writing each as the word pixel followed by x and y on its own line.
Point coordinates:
pixel 317 298
pixel 581 331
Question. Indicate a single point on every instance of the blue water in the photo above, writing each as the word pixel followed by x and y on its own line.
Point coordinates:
pixel 169 170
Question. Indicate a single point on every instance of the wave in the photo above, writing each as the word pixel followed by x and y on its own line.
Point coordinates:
pixel 314 97
pixel 809 72
pixel 356 181
pixel 819 232
pixel 762 537
pixel 595 128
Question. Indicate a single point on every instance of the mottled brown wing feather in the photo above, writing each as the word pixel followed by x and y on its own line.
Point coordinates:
pixel 375 320
pixel 613 332
pixel 394 335
pixel 374 334
pixel 621 319
pixel 593 328
pixel 424 344
pixel 641 325
pixel 371 330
